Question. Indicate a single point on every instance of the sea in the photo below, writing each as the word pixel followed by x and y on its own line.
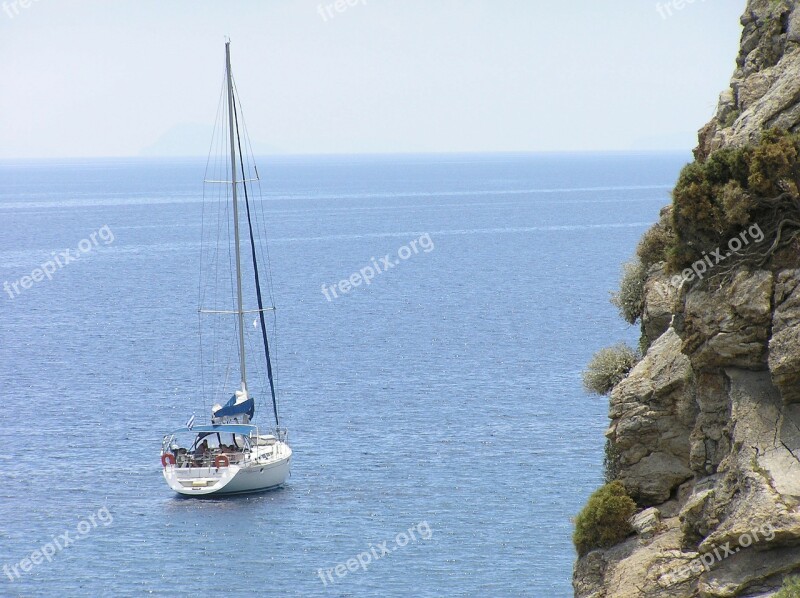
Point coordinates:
pixel 442 438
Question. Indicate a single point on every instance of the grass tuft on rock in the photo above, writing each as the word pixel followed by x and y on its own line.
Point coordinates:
pixel 608 368
pixel 655 243
pixel 629 300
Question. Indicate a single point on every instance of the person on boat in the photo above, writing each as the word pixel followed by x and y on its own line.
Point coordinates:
pixel 201 451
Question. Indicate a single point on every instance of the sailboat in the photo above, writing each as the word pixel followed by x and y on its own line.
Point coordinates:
pixel 231 454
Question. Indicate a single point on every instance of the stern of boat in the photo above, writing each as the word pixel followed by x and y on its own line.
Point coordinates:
pixel 197 481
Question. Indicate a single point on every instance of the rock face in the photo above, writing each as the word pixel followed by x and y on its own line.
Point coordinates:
pixel 661 294
pixel 765 89
pixel 705 429
pixel 707 435
pixel 647 523
pixel 652 412
pixel 729 326
pixel 784 346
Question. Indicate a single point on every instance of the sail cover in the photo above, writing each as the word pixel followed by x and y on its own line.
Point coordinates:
pixel 232 408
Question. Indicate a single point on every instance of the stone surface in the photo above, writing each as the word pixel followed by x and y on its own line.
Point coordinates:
pixel 653 478
pixel 784 346
pixel 652 413
pixel 647 523
pixel 751 504
pixel 740 574
pixel 710 438
pixel 728 326
pixel 764 91
pixel 698 516
pixel 760 485
pixel 660 299
pixel 587 578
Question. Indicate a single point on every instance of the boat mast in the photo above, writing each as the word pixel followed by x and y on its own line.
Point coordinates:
pixel 259 296
pixel 232 131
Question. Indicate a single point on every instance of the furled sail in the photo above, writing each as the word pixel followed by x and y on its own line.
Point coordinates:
pixel 240 406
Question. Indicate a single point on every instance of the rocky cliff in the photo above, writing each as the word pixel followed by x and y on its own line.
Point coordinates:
pixel 765 88
pixel 705 429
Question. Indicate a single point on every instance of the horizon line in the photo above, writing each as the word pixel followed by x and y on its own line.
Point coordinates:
pixel 362 154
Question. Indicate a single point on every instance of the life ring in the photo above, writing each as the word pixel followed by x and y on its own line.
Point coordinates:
pixel 221 461
pixel 167 458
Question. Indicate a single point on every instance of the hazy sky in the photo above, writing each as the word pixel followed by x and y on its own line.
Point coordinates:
pixel 127 77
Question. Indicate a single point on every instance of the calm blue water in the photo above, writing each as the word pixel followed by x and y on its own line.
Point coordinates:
pixel 446 392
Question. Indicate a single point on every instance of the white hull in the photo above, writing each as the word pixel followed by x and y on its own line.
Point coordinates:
pixel 254 475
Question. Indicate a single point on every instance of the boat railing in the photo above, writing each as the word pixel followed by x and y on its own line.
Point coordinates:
pixel 186 459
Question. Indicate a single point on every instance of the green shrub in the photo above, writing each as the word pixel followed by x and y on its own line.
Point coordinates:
pixel 737 203
pixel 773 164
pixel 735 187
pixel 608 367
pixel 681 256
pixel 629 300
pixel 605 520
pixel 655 243
pixel 698 217
pixel 790 588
